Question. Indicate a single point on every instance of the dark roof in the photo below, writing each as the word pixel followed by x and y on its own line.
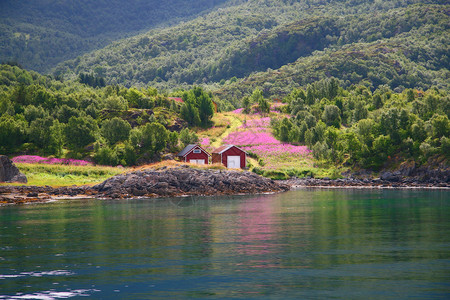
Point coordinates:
pixel 189 148
pixel 224 148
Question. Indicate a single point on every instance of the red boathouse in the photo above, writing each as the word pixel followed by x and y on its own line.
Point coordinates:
pixel 194 154
pixel 230 156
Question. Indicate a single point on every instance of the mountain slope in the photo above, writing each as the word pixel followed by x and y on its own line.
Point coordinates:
pixel 259 35
pixel 41 33
pixel 401 62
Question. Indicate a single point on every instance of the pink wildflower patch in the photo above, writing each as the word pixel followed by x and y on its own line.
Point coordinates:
pixel 261 123
pixel 243 138
pixel 280 149
pixel 34 159
pixel 255 136
pixel 205 141
pixel 237 111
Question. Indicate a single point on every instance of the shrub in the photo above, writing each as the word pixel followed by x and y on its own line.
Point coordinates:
pixel 106 156
pixel 276 175
pixel 115 130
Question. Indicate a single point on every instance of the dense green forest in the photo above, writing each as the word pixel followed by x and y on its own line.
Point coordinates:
pixel 404 48
pixel 399 43
pixel 38 34
pixel 112 125
pixel 365 129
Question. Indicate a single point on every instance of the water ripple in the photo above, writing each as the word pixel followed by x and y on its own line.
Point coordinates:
pixel 50 295
pixel 39 274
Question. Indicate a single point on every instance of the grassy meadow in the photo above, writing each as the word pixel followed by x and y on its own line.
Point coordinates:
pixel 65 175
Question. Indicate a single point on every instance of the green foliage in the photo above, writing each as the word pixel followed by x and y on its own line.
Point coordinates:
pixel 115 130
pixel 368 138
pixel 172 141
pixel 160 136
pixel 65 112
pixel 190 113
pixel 115 102
pixel 246 104
pixel 263 104
pixel 39 34
pixel 79 132
pixel 281 45
pixel 46 135
pixel 47 117
pixel 332 116
pixel 151 138
pixel 92 80
pixel 12 133
pixel 106 156
pixel 273 174
pixel 187 137
pixel 32 113
pixel 441 126
pixel 197 108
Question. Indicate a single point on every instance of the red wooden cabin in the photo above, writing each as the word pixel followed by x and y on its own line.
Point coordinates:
pixel 194 154
pixel 230 156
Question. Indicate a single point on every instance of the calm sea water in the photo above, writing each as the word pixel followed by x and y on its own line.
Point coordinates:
pixel 345 244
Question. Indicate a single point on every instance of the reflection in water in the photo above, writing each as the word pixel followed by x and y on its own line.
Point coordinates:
pixel 256 227
pixel 257 234
pixel 301 244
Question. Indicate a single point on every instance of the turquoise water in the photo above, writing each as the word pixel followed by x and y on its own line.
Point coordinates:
pixel 344 244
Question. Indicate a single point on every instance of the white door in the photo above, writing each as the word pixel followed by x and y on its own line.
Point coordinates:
pixel 234 162
pixel 197 161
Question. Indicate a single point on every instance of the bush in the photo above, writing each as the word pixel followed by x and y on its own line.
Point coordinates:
pixel 276 175
pixel 12 133
pixel 106 156
pixel 115 130
pixel 80 131
pixel 258 171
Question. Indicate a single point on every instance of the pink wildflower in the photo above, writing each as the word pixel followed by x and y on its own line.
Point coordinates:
pixel 204 141
pixel 237 111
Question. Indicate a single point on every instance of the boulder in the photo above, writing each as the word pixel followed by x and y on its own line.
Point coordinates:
pixel 9 172
pixel 389 176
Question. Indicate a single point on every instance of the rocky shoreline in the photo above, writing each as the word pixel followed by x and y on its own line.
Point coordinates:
pixel 149 183
pixel 183 180
pixel 362 183
pixel 408 175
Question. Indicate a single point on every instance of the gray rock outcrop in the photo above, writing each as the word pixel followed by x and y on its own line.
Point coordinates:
pixel 9 172
pixel 186 181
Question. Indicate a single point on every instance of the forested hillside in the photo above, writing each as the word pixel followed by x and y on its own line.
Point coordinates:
pixel 366 129
pixel 398 43
pixel 38 34
pixel 110 125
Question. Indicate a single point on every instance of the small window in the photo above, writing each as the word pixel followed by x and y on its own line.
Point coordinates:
pixel 197 151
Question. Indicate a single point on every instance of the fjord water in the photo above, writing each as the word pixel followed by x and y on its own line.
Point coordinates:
pixel 345 244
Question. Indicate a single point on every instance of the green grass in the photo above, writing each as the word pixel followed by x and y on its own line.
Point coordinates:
pixel 225 123
pixel 66 175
